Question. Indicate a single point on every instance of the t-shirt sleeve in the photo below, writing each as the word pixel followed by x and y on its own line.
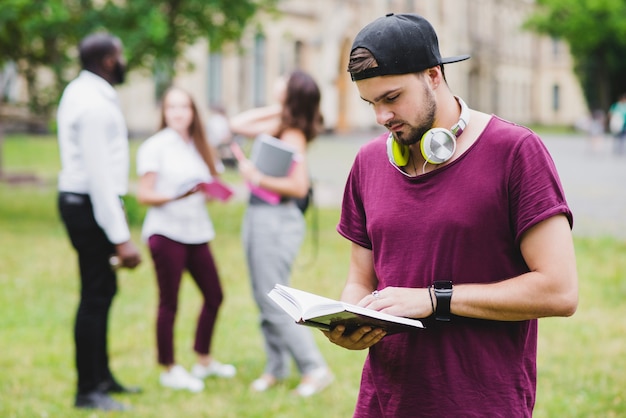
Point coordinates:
pixel 147 158
pixel 352 222
pixel 536 193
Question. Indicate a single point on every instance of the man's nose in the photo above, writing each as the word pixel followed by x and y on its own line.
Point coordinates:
pixel 383 115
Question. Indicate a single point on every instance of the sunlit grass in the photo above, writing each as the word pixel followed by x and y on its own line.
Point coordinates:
pixel 580 366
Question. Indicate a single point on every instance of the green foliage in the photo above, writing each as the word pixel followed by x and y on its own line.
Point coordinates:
pixel 596 33
pixel 38 35
pixel 582 359
pixel 44 34
pixel 135 212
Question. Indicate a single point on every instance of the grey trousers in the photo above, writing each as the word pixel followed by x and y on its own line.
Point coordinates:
pixel 272 236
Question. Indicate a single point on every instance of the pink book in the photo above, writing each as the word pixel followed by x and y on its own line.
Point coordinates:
pixel 214 189
pixel 217 189
pixel 268 196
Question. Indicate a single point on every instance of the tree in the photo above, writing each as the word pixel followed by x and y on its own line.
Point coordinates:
pixel 596 33
pixel 43 34
pixel 36 35
pixel 168 27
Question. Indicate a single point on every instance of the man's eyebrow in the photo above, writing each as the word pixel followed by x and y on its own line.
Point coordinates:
pixel 382 96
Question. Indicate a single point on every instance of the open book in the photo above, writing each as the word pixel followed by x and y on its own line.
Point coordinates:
pixel 214 189
pixel 324 313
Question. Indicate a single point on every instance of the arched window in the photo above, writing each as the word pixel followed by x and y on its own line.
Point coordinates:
pixel 259 93
pixel 556 97
pixel 215 79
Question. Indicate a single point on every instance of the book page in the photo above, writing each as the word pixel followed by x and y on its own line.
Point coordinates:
pixel 369 313
pixel 187 187
pixel 308 302
pixel 321 312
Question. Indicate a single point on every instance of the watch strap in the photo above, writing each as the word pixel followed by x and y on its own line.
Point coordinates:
pixel 443 294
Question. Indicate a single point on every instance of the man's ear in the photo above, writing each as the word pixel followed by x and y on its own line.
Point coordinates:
pixel 108 63
pixel 434 76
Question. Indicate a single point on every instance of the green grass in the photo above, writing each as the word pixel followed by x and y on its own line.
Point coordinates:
pixel 581 359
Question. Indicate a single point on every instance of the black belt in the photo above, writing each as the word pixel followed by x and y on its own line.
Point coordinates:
pixel 72 198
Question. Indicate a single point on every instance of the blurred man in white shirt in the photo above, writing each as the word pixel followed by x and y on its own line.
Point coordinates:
pixel 93 142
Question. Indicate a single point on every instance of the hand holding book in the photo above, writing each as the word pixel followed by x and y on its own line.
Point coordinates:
pixel 214 188
pixel 324 313
pixel 270 157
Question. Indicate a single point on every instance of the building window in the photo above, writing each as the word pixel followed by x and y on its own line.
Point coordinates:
pixel 556 97
pixel 9 83
pixel 163 73
pixel 299 52
pixel 215 79
pixel 259 97
pixel 556 47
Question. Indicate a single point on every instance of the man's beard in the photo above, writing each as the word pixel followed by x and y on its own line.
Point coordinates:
pixel 119 73
pixel 415 133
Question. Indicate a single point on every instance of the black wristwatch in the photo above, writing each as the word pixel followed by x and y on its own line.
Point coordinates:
pixel 443 293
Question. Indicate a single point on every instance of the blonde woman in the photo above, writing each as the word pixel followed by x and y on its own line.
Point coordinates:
pixel 178 229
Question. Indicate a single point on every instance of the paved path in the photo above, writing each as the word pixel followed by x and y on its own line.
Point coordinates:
pixel 594 182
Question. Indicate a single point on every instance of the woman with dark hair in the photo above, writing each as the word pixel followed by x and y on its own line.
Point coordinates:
pixel 272 233
pixel 178 229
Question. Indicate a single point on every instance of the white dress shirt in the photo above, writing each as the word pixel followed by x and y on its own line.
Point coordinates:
pixel 178 166
pixel 93 141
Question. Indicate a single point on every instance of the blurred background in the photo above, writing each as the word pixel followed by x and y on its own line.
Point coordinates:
pixel 554 65
pixel 545 62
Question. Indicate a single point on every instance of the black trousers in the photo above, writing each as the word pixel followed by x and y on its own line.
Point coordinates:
pixel 98 285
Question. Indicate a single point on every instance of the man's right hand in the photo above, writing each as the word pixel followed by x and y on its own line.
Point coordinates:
pixel 128 254
pixel 359 339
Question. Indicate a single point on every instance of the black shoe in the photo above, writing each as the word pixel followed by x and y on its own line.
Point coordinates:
pixel 112 386
pixel 99 400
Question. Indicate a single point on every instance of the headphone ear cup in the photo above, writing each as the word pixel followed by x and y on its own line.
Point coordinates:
pixel 397 154
pixel 438 145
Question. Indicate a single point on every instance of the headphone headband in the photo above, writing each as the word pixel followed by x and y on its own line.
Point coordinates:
pixel 460 126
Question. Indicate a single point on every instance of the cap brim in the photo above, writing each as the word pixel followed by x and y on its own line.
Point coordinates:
pixel 450 60
pixel 379 71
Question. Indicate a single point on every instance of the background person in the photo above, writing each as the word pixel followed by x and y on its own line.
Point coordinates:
pixel 220 136
pixel 617 121
pixel 475 241
pixel 178 229
pixel 272 234
pixel 93 143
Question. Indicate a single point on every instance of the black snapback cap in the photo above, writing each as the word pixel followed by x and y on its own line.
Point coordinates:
pixel 401 44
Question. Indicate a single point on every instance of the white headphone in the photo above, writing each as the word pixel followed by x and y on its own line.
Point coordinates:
pixel 437 144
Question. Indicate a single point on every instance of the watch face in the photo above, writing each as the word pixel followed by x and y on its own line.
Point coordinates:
pixel 441 284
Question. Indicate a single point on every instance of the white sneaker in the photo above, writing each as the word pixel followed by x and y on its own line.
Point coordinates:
pixel 215 368
pixel 178 378
pixel 263 383
pixel 314 382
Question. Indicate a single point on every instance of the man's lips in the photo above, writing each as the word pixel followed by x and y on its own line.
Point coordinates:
pixel 394 127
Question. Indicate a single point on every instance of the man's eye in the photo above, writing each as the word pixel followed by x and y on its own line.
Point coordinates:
pixel 390 99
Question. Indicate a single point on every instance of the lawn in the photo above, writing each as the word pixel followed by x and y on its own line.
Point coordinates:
pixel 581 359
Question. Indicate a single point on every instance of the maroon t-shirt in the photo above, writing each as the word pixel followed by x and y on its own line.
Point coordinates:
pixel 462 222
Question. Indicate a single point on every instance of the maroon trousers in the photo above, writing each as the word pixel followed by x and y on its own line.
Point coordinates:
pixel 171 259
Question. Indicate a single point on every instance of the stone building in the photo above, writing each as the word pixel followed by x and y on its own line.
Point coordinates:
pixel 513 73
